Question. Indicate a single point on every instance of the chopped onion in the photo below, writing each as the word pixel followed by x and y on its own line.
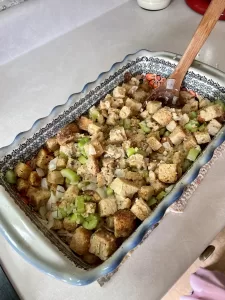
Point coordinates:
pixel 50 221
pixel 44 183
pixel 59 191
pixel 119 173
pixel 52 200
pixel 101 192
pixel 52 164
pixel 57 215
pixel 42 212
pixel 90 149
pixel 92 186
pixel 40 172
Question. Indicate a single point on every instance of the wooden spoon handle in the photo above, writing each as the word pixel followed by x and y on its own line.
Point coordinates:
pixel 204 29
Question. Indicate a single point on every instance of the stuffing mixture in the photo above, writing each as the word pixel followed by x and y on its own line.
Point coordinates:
pixel 102 175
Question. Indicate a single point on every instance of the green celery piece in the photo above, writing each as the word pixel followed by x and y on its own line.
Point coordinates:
pixel 162 131
pixel 82 159
pixel 152 201
pixel 82 184
pixel 193 153
pixel 77 218
pixel 80 207
pixel 192 126
pixel 91 222
pixel 144 127
pixel 71 175
pixel 94 114
pixel 193 115
pixel 161 195
pixel 131 151
pixel 87 198
pixel 83 141
pixel 10 177
pixel 202 127
pixel 109 191
pixel 63 155
pixel 127 124
pixel 186 165
pixel 62 212
pixel 167 133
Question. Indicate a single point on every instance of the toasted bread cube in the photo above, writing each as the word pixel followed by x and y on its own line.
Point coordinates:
pixel 22 170
pixel 90 207
pixel 163 116
pixel 43 159
pixel 190 106
pixel 117 135
pixel 125 112
pixel 71 193
pixel 67 134
pixel 211 112
pixel 55 177
pixel 101 180
pixel 153 106
pixel 168 173
pixel 102 244
pixel 110 222
pixel 133 105
pixel 119 92
pixel 84 122
pixel 184 119
pixel 107 206
pixel 137 161
pixel 186 96
pixel 140 209
pixel 124 223
pixel 72 164
pixel 202 137
pixel 69 225
pixel 61 163
pixel 38 197
pixel 68 149
pixel 140 95
pixel 124 187
pixel 34 179
pixel 57 225
pixel 177 136
pixel 146 192
pixel 158 186
pixel 93 129
pixel 213 127
pixel 22 185
pixel 171 126
pixel 189 142
pixel 178 158
pixel 204 102
pixel 122 202
pixel 98 148
pixel 154 143
pixel 92 165
pixel 52 144
pixel 80 242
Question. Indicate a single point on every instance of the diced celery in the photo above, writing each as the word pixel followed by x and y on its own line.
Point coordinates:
pixel 186 165
pixel 109 191
pixel 91 222
pixel 63 155
pixel 82 159
pixel 126 124
pixel 167 133
pixel 193 153
pixel 162 131
pixel 63 212
pixel 94 114
pixel 71 175
pixel 131 151
pixel 152 201
pixel 192 126
pixel 161 195
pixel 77 218
pixel 83 141
pixel 82 184
pixel 202 127
pixel 87 198
pixel 80 207
pixel 10 176
pixel 144 127
pixel 193 115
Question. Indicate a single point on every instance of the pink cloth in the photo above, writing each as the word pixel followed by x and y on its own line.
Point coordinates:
pixel 207 285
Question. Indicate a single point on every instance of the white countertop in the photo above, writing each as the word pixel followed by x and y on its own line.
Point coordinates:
pixel 33 83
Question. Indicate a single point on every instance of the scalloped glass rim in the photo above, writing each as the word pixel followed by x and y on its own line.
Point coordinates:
pixel 201 78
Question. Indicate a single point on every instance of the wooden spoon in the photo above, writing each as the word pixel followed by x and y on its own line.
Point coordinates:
pixel 168 93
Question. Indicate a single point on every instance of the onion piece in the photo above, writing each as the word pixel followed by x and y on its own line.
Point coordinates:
pixel 50 221
pixel 57 215
pixel 52 164
pixel 51 201
pixel 40 172
pixel 102 192
pixel 92 186
pixel 89 149
pixel 59 191
pixel 44 184
pixel 119 173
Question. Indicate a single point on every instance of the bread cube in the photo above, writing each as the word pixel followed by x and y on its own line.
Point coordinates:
pixel 146 192
pixel 158 186
pixel 125 112
pixel 122 202
pixel 202 137
pixel 211 112
pixel 190 106
pixel 117 135
pixel 189 142
pixel 69 225
pixel 55 177
pixel 61 163
pixel 124 187
pixel 68 149
pixel 57 225
pixel 184 119
pixel 153 106
pixel 34 179
pixel 137 161
pixel 107 206
pixel 22 170
pixel 177 136
pixel 22 185
pixel 37 197
pixel 90 207
pixel 52 144
pixel 119 92
pixel 140 209
pixel 163 116
pixel 171 126
pixel 71 193
pixel 43 158
pixel 80 242
pixel 213 127
pixel 124 223
pixel 67 134
pixel 154 143
pixel 84 122
pixel 168 173
pixel 102 244
pixel 93 129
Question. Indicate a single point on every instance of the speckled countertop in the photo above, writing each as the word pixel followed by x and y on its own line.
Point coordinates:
pixel 50 51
